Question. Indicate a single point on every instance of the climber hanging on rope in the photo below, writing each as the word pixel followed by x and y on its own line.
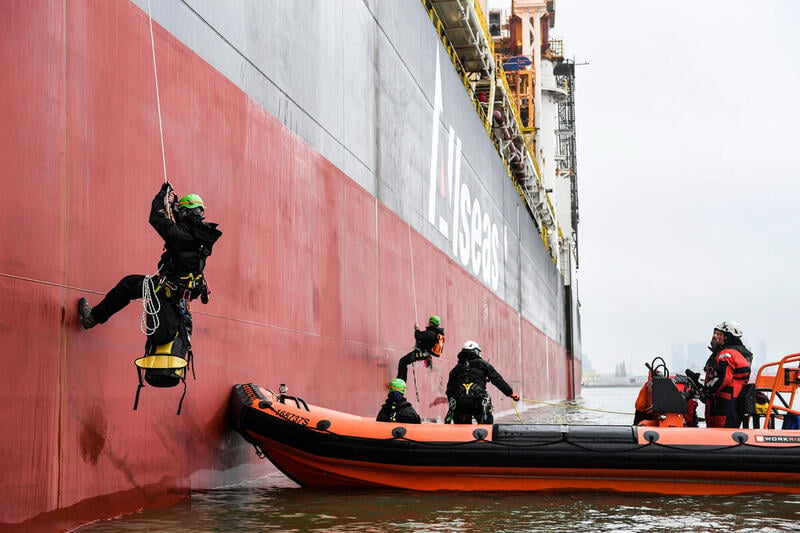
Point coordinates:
pixel 188 241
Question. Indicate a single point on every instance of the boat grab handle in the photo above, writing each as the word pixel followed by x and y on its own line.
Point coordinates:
pixel 297 401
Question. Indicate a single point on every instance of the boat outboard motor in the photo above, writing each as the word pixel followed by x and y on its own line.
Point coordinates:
pixel 664 400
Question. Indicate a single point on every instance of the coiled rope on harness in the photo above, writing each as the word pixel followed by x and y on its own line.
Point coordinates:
pixel 151 306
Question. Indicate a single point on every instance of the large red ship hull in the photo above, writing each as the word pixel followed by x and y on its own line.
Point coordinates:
pixel 314 278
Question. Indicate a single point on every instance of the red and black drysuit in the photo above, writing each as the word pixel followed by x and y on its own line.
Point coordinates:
pixel 727 372
pixel 425 339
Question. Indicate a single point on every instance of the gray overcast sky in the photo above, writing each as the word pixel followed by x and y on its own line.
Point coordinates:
pixel 688 167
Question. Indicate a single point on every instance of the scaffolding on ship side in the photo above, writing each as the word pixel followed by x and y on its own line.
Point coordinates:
pixel 507 112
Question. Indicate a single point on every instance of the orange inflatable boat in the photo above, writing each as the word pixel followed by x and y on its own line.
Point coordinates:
pixel 319 447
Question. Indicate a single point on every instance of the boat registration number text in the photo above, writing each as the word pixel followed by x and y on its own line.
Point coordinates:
pixel 291 417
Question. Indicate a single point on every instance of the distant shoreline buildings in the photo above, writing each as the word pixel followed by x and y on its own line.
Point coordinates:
pixel 693 355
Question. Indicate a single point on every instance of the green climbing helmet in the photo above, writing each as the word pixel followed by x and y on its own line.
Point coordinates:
pixel 398 384
pixel 435 320
pixel 191 201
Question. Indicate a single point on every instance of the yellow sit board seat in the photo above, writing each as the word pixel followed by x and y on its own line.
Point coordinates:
pixel 161 369
pixel 165 362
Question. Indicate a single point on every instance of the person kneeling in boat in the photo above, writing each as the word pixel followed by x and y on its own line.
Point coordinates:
pixel 466 387
pixel 727 373
pixel 397 408
pixel 429 344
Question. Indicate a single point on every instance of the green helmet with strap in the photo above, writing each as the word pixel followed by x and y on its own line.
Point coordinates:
pixel 398 385
pixel 435 320
pixel 190 201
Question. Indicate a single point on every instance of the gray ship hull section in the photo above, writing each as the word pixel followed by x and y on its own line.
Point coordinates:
pixel 369 85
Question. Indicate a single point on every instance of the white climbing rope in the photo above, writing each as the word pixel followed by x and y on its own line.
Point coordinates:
pixel 413 281
pixel 414 298
pixel 158 96
pixel 151 305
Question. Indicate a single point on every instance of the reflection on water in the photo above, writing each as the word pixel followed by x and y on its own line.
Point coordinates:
pixel 294 509
pixel 276 504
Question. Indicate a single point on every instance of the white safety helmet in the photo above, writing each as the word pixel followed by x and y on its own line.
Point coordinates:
pixel 472 345
pixel 730 327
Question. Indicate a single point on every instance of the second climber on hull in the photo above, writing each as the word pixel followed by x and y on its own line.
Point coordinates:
pixel 429 344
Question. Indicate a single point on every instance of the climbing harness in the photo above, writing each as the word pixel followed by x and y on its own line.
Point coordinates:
pixel 184 287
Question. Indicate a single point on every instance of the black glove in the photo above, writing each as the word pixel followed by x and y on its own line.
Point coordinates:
pixel 165 188
pixel 704 394
pixel 694 377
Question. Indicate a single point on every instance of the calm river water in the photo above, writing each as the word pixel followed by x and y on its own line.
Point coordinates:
pixel 276 504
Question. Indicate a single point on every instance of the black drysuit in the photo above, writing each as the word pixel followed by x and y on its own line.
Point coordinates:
pixel 187 244
pixel 425 340
pixel 397 409
pixel 466 385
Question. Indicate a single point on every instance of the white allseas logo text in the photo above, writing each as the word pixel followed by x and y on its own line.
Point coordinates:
pixel 477 240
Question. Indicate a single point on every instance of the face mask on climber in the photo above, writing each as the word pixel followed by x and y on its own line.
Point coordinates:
pixel 191 204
